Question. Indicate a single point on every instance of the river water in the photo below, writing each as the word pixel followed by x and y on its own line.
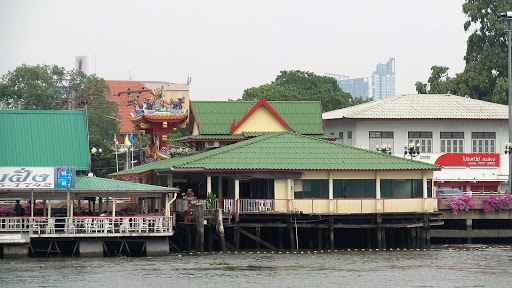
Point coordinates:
pixel 442 266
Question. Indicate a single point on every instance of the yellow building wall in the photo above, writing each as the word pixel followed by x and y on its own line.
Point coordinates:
pixel 281 195
pixel 195 129
pixel 261 121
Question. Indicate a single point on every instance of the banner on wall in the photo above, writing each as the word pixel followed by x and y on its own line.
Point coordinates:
pixel 469 160
pixel 37 177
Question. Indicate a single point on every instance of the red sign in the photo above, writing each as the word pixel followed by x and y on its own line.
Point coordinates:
pixel 469 160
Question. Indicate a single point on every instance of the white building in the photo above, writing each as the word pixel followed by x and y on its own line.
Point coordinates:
pixel 465 136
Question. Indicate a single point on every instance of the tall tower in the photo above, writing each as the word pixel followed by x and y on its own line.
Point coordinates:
pixel 383 80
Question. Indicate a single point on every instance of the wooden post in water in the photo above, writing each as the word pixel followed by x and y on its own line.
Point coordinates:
pixel 189 238
pixel 220 228
pixel 379 231
pixel 280 237
pixel 237 238
pixel 292 235
pixel 200 227
pixel 258 234
pixel 319 238
pixel 331 234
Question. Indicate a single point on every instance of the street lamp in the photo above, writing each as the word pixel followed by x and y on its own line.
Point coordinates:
pixel 412 149
pixel 384 148
pixel 507 21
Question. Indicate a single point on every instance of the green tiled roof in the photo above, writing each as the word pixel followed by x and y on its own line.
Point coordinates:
pixel 213 137
pixel 98 184
pixel 243 136
pixel 216 117
pixel 44 138
pixel 290 151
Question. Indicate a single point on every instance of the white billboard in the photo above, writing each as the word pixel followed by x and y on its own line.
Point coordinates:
pixel 81 63
pixel 37 177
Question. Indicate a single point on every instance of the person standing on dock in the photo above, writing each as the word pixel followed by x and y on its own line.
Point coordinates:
pixel 18 210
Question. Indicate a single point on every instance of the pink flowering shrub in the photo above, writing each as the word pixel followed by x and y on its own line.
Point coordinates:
pixel 5 211
pixel 496 203
pixel 26 206
pixel 123 207
pixel 461 203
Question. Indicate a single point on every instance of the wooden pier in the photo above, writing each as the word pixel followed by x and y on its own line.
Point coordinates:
pixel 294 231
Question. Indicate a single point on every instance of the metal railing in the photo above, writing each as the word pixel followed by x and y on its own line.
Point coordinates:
pixel 89 226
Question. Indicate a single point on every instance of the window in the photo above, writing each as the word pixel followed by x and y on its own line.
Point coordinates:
pixel 483 142
pixel 364 188
pixel 340 137
pixel 424 138
pixel 452 142
pixel 318 189
pixel 349 138
pixel 377 138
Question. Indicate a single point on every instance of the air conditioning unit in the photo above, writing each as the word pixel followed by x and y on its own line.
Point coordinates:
pixel 211 144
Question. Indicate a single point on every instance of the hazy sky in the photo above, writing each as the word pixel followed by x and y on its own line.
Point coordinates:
pixel 228 46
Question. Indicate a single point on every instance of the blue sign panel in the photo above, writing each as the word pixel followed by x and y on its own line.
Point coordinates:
pixel 65 177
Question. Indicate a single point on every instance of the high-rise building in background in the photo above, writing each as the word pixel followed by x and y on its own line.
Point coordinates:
pixel 383 80
pixel 357 87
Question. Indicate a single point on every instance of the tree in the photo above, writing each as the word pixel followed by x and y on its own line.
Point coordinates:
pixel 303 86
pixel 46 87
pixel 486 68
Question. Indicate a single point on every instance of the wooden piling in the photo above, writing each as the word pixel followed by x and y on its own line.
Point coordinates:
pixel 292 235
pixel 220 229
pixel 200 227
pixel 258 234
pixel 331 234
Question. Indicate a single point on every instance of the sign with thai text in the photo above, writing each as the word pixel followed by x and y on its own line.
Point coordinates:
pixel 469 160
pixel 37 177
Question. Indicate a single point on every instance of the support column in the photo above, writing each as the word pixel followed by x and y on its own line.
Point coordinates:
pixel 331 194
pixel 289 195
pixel 157 248
pixel 114 207
pixel 15 251
pixel 237 196
pixel 220 193
pixel 425 194
pixel 377 192
pixel 208 185
pixel 91 248
pixel 469 228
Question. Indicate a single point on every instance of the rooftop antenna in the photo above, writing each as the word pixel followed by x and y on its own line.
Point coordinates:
pixel 189 79
pixel 130 73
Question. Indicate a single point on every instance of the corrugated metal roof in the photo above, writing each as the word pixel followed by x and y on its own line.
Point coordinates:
pixel 216 117
pixel 96 183
pixel 44 138
pixel 422 106
pixel 291 151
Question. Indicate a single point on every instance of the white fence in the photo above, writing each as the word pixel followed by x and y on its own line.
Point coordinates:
pixel 89 226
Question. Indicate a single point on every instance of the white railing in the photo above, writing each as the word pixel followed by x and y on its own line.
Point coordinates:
pixel 255 205
pixel 480 194
pixel 89 226
pixel 318 206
